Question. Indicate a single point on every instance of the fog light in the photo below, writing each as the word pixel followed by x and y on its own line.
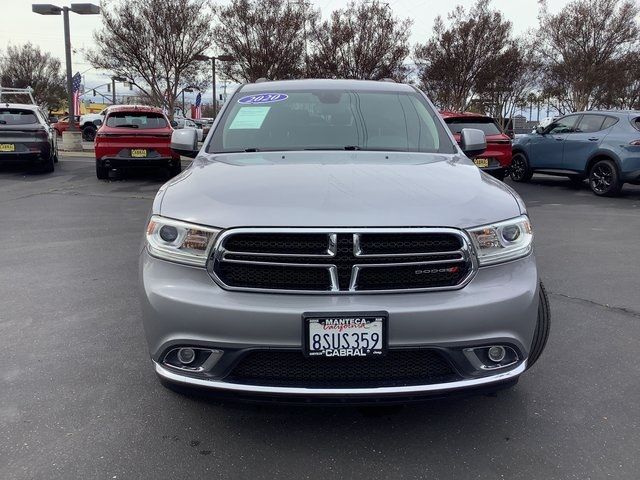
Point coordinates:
pixel 186 356
pixel 497 354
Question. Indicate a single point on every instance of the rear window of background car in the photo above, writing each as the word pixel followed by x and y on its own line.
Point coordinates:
pixel 330 119
pixel 487 125
pixel 12 116
pixel 135 120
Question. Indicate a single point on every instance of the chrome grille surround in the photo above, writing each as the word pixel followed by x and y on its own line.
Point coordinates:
pixel 464 255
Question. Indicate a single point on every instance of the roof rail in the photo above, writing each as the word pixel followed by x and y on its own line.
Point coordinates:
pixel 391 80
pixel 17 91
pixel 261 80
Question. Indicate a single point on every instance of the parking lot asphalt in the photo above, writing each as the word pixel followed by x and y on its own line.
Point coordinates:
pixel 78 397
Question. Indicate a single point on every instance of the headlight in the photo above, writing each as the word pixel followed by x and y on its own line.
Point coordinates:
pixel 179 241
pixel 502 241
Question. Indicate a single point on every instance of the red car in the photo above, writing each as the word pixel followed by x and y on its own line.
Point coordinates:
pixel 134 136
pixel 63 124
pixel 496 159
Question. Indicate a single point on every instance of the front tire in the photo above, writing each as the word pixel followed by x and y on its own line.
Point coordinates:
pixel 604 179
pixel 541 335
pixel 520 170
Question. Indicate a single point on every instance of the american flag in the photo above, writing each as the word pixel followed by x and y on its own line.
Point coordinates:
pixel 75 89
pixel 197 112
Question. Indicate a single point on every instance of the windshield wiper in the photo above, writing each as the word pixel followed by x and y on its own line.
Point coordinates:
pixel 352 147
pixel 129 126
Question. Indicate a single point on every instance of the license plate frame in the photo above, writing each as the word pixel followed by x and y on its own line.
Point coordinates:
pixel 7 147
pixel 481 162
pixel 139 153
pixel 376 316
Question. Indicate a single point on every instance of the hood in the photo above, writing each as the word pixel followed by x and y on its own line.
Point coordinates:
pixel 335 189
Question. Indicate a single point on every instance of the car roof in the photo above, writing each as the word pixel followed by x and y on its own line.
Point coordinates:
pixel 452 114
pixel 26 106
pixel 621 113
pixel 133 108
pixel 326 84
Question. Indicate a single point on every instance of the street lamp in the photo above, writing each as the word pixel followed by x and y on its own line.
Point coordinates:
pixel 80 9
pixel 222 58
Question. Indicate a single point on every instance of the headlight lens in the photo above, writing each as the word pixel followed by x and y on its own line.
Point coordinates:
pixel 179 241
pixel 503 241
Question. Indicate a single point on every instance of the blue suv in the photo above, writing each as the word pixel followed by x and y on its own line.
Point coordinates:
pixel 602 146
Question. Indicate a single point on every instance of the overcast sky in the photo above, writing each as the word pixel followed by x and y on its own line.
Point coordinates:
pixel 19 25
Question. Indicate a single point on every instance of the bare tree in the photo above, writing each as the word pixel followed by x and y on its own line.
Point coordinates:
pixel 266 38
pixel 584 49
pixel 509 80
pixel 153 43
pixel 28 66
pixel 363 41
pixel 461 52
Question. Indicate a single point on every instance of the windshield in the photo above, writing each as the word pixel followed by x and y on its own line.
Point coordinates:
pixel 137 120
pixel 330 120
pixel 487 125
pixel 14 116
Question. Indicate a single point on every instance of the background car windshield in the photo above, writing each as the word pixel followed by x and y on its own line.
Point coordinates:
pixel 12 116
pixel 140 120
pixel 487 125
pixel 330 120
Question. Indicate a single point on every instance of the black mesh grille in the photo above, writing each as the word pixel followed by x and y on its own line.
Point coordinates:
pixel 313 244
pixel 414 276
pixel 276 277
pixel 292 368
pixel 239 263
pixel 375 243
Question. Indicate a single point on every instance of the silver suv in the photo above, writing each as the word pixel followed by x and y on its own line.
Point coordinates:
pixel 331 241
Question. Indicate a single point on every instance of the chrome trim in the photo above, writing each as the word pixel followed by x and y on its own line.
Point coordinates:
pixel 214 357
pixel 338 392
pixel 466 252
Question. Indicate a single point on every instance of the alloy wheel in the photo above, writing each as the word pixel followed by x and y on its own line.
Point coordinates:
pixel 602 178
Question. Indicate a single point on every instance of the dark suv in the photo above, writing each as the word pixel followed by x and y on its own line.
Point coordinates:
pixel 27 137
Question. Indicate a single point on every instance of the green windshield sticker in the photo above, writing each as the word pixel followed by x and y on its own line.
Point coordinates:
pixel 249 118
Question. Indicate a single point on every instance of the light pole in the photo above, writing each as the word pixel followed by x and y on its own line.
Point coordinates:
pixel 113 87
pixel 222 58
pixel 81 9
pixel 189 88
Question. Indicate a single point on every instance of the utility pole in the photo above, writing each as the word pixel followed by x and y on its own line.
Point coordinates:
pixel 213 58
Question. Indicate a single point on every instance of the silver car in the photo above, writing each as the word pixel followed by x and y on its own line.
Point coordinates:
pixel 332 242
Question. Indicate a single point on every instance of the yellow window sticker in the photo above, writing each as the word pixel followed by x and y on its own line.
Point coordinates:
pixel 249 118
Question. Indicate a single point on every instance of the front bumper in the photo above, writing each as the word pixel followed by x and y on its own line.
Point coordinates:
pixel 184 306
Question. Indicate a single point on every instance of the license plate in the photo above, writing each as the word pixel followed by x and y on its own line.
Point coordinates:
pixel 7 147
pixel 481 162
pixel 138 153
pixel 345 335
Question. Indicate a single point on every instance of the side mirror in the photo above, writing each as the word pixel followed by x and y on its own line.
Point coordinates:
pixel 185 142
pixel 540 130
pixel 174 124
pixel 473 142
pixel 97 122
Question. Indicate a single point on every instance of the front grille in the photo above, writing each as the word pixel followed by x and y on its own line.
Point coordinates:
pixel 292 368
pixel 341 261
